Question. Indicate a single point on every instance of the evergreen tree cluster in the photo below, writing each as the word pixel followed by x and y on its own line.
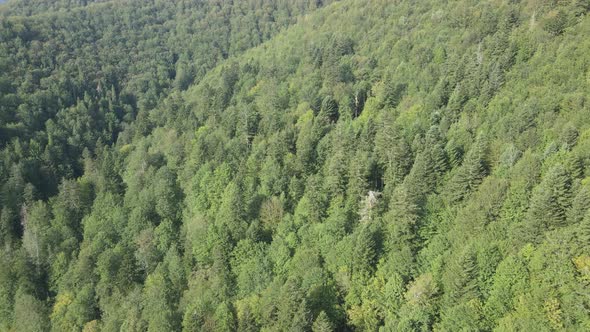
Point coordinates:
pixel 271 165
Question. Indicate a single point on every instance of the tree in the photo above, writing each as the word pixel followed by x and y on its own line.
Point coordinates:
pixel 246 321
pixel 584 233
pixel 455 152
pixel 73 202
pixel 224 318
pixel 365 251
pixel 12 197
pixel 510 280
pixel 580 205
pixel 167 193
pixel 402 223
pixel 556 22
pixel 329 110
pixel 30 314
pixel 231 213
pixel 322 323
pixel 292 311
pixel 435 144
pixel 460 279
pixel 271 213
pixel 465 316
pixel 417 313
pixel 569 136
pixel 72 311
pixel 212 165
pixel 158 311
pixel 471 173
pixel 36 221
pixel 551 199
pixel 184 75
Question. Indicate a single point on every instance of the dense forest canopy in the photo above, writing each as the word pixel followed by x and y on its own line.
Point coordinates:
pixel 276 165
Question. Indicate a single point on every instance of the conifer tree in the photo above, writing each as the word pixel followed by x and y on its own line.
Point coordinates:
pixel 471 173
pixel 580 205
pixel 322 323
pixel 157 309
pixel 460 280
pixel 551 199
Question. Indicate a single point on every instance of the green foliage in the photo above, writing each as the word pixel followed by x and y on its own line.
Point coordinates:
pixel 281 166
pixel 157 308
pixel 322 323
pixel 30 314
pixel 551 199
pixel 460 279
pixel 471 173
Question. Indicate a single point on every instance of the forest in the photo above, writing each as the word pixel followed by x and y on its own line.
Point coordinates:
pixel 294 165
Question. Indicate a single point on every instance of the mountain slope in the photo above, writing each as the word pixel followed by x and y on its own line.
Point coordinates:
pixel 375 166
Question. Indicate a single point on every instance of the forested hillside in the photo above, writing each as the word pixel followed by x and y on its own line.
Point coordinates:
pixel 274 165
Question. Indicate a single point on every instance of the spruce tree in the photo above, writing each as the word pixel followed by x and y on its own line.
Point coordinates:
pixel 471 173
pixel 460 278
pixel 551 199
